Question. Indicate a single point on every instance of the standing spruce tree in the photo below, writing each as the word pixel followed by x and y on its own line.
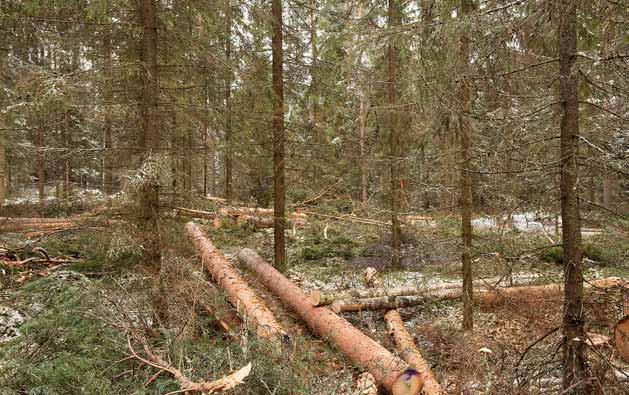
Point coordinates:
pixel 149 145
pixel 575 380
pixel 395 157
pixel 279 187
pixel 467 7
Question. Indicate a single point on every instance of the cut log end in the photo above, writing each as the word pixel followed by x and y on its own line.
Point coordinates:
pixel 315 298
pixel 409 382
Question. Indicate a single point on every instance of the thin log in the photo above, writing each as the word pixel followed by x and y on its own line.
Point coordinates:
pixel 410 353
pixel 251 308
pixel 379 303
pixel 318 298
pixel 387 369
pixel 365 221
pixel 540 292
pixel 34 224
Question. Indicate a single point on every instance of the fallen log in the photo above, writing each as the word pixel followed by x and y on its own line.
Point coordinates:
pixel 261 221
pixel 251 308
pixel 318 298
pixel 539 292
pixel 410 353
pixel 16 225
pixel 387 369
pixel 378 303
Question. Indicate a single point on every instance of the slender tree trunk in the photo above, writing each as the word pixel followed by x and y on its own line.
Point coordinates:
pixel 41 174
pixel 279 186
pixel 574 363
pixel 3 167
pixel 394 134
pixel 107 141
pixel 467 7
pixel 228 108
pixel 150 143
pixel 364 173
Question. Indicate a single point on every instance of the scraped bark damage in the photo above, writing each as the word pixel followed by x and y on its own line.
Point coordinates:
pixel 410 353
pixel 390 371
pixel 247 303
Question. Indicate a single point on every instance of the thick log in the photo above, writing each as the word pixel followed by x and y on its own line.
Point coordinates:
pixel 251 308
pixel 379 303
pixel 410 353
pixel 387 369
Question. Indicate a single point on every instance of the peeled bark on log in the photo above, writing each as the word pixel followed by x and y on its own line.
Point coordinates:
pixel 318 298
pixel 410 353
pixel 380 303
pixel 252 309
pixel 388 369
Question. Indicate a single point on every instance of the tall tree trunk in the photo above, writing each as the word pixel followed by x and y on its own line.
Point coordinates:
pixel 394 134
pixel 279 187
pixel 467 7
pixel 228 106
pixel 107 141
pixel 574 360
pixel 150 143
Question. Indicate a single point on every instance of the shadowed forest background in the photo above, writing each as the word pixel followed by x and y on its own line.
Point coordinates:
pixel 449 177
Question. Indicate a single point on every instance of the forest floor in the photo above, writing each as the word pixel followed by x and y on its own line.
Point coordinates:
pixel 62 331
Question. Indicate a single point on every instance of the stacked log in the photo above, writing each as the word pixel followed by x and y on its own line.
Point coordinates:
pixel 389 370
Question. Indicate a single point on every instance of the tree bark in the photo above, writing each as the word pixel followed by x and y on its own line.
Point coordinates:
pixel 467 7
pixel 279 187
pixel 364 173
pixel 3 167
pixel 251 308
pixel 41 172
pixel 148 196
pixel 575 380
pixel 107 96
pixel 394 134
pixel 318 298
pixel 364 351
pixel 377 303
pixel 409 352
pixel 228 106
